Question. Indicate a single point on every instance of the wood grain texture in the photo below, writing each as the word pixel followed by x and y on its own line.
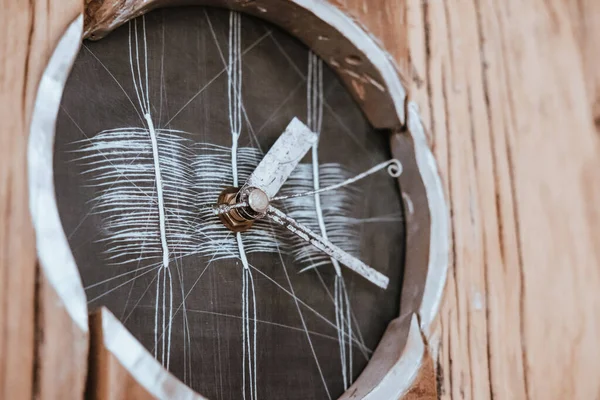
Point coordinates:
pixel 504 92
pixel 30 30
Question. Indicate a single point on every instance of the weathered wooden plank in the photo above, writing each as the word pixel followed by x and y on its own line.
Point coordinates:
pixel 121 368
pixel 44 353
pixel 502 89
pixel 30 30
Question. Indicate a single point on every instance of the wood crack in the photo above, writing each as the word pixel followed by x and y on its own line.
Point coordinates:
pixel 24 96
pixel 474 157
pixel 486 95
pixel 450 374
pixel 439 376
pixel 6 230
pixel 427 31
pixel 513 194
pixel 449 168
pixel 450 41
pixel 38 326
pixel 451 212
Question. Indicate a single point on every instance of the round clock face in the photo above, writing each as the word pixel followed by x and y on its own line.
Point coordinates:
pixel 158 119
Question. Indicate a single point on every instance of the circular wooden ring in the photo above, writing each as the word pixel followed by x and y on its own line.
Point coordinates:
pixel 371 76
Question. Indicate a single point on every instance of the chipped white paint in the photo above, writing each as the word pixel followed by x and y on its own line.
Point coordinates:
pixel 366 44
pixel 282 158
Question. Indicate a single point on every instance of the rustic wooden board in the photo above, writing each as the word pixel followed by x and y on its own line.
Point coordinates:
pixel 32 322
pixel 502 88
pixel 508 106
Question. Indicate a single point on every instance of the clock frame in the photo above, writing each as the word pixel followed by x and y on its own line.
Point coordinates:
pixel 119 365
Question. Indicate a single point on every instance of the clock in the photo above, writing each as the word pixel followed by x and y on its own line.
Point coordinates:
pixel 253 207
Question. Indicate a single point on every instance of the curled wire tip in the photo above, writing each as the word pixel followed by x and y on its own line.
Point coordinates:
pixel 394 168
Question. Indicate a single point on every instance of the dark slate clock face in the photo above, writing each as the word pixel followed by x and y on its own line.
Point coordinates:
pixel 155 121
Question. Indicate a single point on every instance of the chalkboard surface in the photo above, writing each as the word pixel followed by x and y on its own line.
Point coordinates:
pixel 161 94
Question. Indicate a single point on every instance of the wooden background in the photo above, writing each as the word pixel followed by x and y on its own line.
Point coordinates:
pixel 510 93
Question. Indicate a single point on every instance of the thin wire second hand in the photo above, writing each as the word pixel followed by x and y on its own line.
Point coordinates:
pixel 394 170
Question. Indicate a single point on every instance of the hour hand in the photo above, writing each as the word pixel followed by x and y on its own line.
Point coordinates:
pixel 238 209
pixel 327 247
pixel 277 165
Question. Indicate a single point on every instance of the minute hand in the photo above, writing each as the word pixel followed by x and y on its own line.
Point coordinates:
pixel 327 247
pixel 279 162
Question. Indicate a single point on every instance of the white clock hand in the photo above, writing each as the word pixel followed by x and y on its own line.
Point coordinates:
pixel 394 168
pixel 283 157
pixel 327 247
pixel 238 210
